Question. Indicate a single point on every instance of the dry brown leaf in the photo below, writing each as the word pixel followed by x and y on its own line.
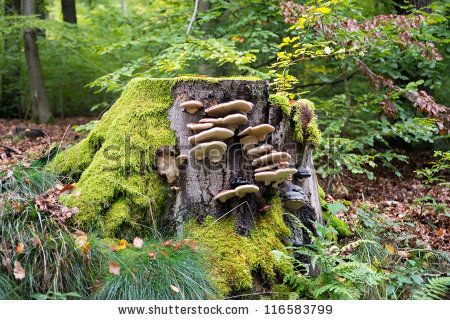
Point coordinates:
pixel 174 289
pixel 114 268
pixel 152 254
pixel 80 241
pixel 19 272
pixel 20 247
pixel 138 242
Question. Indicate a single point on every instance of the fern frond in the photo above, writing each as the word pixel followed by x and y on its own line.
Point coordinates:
pixel 435 289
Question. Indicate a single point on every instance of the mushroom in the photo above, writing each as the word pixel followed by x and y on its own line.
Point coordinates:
pixel 213 134
pixel 229 107
pixel 246 189
pixel 166 164
pixel 260 132
pixel 275 177
pixel 239 181
pixel 267 168
pixel 231 121
pixel 293 196
pixel 302 173
pixel 213 150
pixel 248 141
pixel 271 158
pixel 262 149
pixel 225 195
pixel 199 127
pixel 191 106
pixel 180 160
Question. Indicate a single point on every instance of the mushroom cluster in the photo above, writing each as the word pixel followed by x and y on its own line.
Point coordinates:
pixel 209 133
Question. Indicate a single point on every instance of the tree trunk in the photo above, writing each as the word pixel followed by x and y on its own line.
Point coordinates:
pixel 39 101
pixel 420 3
pixel 69 11
pixel 123 4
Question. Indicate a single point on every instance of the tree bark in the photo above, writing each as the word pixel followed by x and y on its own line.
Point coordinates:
pixel 69 11
pixel 39 100
pixel 201 180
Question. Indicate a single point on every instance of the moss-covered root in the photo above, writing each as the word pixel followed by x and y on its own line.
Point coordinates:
pixel 302 112
pixel 114 162
pixel 234 259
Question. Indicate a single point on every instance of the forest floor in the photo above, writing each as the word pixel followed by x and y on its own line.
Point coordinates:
pixel 394 196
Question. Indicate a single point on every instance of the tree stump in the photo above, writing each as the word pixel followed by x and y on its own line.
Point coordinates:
pixel 156 160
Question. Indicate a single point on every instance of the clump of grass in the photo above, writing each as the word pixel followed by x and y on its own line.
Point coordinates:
pixel 45 249
pixel 169 271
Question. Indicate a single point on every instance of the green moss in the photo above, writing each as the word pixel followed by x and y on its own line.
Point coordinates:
pixel 233 259
pixel 281 101
pixel 309 132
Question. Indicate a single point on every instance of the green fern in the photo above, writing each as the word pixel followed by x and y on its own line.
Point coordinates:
pixel 435 289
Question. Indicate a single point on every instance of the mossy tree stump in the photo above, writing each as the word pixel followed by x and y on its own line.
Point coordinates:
pixel 127 182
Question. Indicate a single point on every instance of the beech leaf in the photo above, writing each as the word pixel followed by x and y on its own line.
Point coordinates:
pixel 19 272
pixel 114 268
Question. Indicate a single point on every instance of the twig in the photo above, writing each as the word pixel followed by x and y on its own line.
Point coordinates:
pixel 194 14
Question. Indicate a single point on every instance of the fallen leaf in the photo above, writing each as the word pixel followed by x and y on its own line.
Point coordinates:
pixel 19 248
pixel 67 187
pixel 36 241
pixel 19 272
pixel 122 245
pixel 114 268
pixel 441 233
pixel 80 241
pixel 174 289
pixel 177 246
pixel 164 253
pixel 86 248
pixel 167 243
pixel 138 242
pixel 152 254
pixel 390 249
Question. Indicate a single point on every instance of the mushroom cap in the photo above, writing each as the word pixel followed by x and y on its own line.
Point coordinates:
pixel 182 158
pixel 191 106
pixel 271 158
pixel 294 199
pixel 302 173
pixel 270 167
pixel 225 195
pixel 262 149
pixel 213 150
pixel 231 119
pixel 198 127
pixel 229 107
pixel 276 177
pixel 246 189
pixel 248 141
pixel 260 132
pixel 213 134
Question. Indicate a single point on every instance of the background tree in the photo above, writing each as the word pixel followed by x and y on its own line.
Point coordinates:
pixel 69 11
pixel 39 102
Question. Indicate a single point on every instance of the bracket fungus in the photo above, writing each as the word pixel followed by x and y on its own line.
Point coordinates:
pixel 231 121
pixel 239 191
pixel 260 150
pixel 213 150
pixel 273 157
pixel 278 165
pixel 239 181
pixel 260 132
pixel 229 107
pixel 191 106
pixel 213 134
pixel 248 142
pixel 199 127
pixel 274 177
pixel 166 164
pixel 302 173
pixel 293 196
